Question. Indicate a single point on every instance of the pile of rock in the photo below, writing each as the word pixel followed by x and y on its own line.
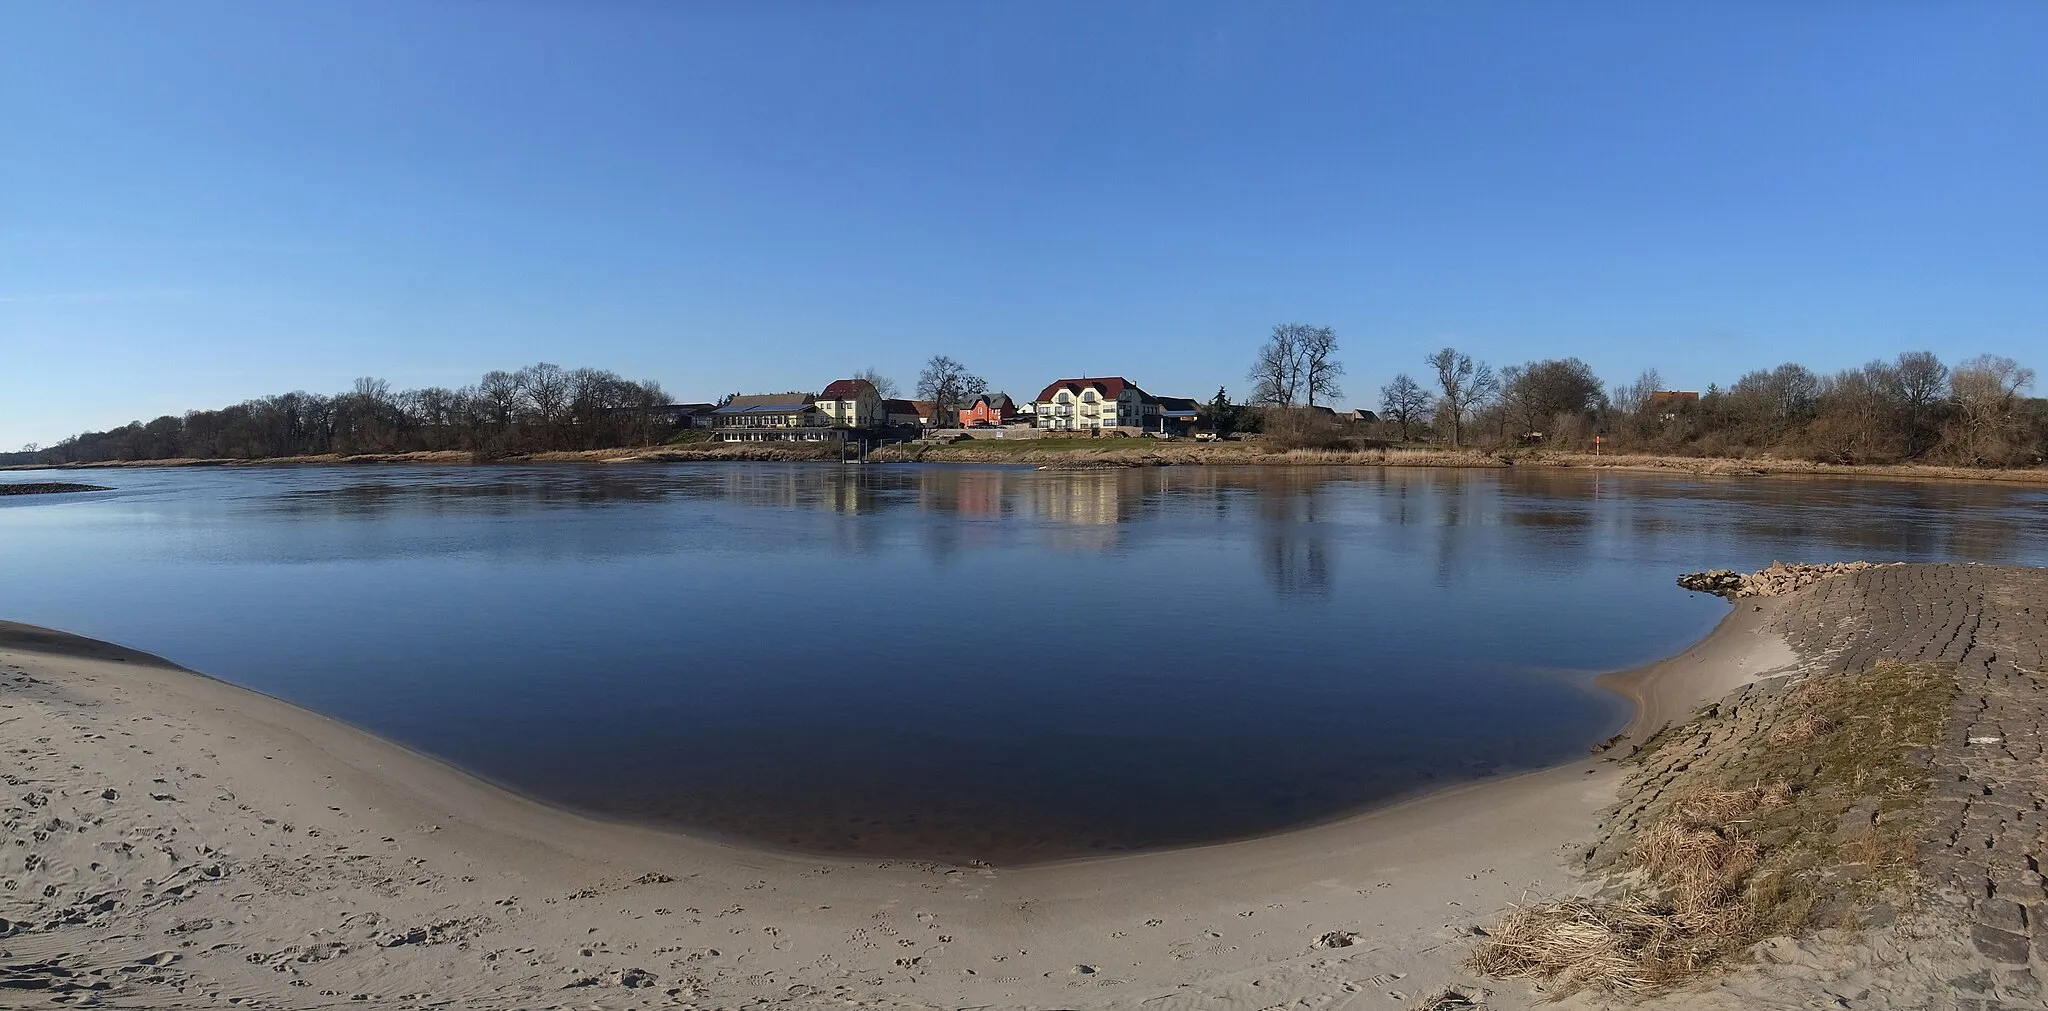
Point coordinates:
pixel 1777 580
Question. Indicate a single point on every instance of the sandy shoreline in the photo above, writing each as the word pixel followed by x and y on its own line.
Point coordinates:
pixel 177 839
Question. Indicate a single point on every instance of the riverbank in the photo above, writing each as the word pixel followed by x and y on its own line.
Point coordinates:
pixel 1856 826
pixel 1141 452
pixel 180 840
pixel 1091 454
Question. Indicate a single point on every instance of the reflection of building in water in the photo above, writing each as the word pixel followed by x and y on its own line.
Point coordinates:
pixel 782 487
pixel 1086 498
pixel 979 492
pixel 848 491
pixel 1086 506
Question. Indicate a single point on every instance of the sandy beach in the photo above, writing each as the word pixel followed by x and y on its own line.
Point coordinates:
pixel 173 840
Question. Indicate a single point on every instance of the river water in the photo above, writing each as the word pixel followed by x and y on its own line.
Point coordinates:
pixel 950 662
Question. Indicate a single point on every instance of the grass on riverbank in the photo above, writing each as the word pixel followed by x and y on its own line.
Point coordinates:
pixel 1782 821
pixel 1148 452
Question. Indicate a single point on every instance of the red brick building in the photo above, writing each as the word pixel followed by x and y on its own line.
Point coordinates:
pixel 990 410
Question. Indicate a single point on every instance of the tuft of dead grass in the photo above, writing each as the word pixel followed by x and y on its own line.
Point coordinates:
pixel 1752 842
pixel 1451 998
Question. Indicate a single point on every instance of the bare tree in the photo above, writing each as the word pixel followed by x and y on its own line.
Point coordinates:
pixel 1276 374
pixel 1467 385
pixel 499 392
pixel 1319 368
pixel 1296 363
pixel 1922 379
pixel 546 389
pixel 948 385
pixel 1404 402
pixel 1535 394
pixel 884 386
pixel 1634 397
pixel 1987 392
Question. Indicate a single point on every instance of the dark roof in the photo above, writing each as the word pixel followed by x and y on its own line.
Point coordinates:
pixel 995 400
pixel 768 403
pixel 1111 387
pixel 1178 405
pixel 846 389
pixel 921 408
pixel 692 408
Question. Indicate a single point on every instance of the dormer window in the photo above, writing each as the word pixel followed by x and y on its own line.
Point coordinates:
pixel 1088 396
pixel 1064 398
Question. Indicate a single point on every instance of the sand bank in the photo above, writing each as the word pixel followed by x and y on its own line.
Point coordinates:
pixel 168 838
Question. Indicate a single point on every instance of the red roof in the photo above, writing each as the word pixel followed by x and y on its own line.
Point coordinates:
pixel 921 408
pixel 845 389
pixel 1111 387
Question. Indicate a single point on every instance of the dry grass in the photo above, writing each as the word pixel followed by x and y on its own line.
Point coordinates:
pixel 1450 998
pixel 1757 466
pixel 1753 843
pixel 1147 452
pixel 1802 729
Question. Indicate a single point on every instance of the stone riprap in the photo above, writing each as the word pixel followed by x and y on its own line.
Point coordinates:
pixel 1781 578
pixel 1969 929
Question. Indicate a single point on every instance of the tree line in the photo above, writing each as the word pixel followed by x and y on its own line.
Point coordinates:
pixel 1913 407
pixel 539 408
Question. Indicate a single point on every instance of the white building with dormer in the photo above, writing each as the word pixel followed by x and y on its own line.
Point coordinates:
pixel 1077 405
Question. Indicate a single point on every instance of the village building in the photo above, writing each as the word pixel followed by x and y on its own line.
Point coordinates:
pixel 990 410
pixel 1178 415
pixel 910 413
pixel 1666 404
pixel 773 417
pixel 1109 402
pixel 689 415
pixel 852 403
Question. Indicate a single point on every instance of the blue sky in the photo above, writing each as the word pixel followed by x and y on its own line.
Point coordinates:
pixel 200 203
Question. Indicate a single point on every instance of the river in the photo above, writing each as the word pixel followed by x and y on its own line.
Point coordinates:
pixel 951 662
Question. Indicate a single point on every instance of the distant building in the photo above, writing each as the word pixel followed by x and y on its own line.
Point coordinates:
pixel 1666 404
pixel 910 413
pixel 688 415
pixel 1177 415
pixel 990 410
pixel 773 417
pixel 1364 417
pixel 1074 405
pixel 851 403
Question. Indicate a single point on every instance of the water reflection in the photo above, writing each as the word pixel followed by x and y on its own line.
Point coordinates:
pixel 1881 519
